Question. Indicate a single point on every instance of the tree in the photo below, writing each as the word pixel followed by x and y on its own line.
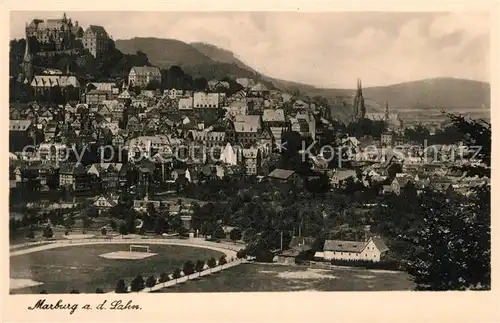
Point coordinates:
pixel 137 284
pixel 121 288
pixel 222 260
pixel 164 277
pixel 241 254
pixel 175 222
pixel 86 221
pixel 159 224
pixel 151 281
pixel 188 268
pixel 31 233
pixel 92 212
pixel 200 264
pixel 122 229
pixel 200 84
pixel 69 221
pixel 47 232
pixel 176 274
pixel 235 234
pixel 104 231
pixel 249 235
pixel 452 249
pixel 219 232
pixel 99 291
pixel 113 224
pixel 212 262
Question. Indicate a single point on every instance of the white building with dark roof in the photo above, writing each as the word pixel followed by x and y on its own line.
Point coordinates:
pixel 142 75
pixel 372 250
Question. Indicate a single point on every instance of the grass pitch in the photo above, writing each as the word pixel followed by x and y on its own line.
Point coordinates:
pixel 82 267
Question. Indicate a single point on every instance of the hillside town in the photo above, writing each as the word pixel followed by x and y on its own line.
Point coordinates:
pixel 233 159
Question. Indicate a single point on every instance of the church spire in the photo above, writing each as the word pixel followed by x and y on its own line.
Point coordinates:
pixel 27 47
pixel 27 65
pixel 386 111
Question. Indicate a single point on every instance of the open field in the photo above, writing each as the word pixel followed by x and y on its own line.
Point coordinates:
pixel 82 267
pixel 276 278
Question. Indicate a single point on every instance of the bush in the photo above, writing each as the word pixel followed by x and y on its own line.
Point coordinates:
pixel 30 234
pixel 199 265
pixel 47 232
pixel 222 260
pixel 122 229
pixel 113 224
pixel 43 292
pixel 188 268
pixel 137 284
pixel 74 291
pixel 176 274
pixel 164 277
pixel 66 232
pixel 121 288
pixel 151 281
pixel 211 262
pixel 263 255
pixel 99 291
pixel 104 231
pixel 241 254
pixel 235 234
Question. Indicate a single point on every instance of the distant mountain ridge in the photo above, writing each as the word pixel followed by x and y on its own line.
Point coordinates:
pixel 419 97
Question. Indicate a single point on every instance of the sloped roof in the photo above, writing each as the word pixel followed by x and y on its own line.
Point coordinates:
pixel 54 80
pixel 245 82
pixel 144 70
pixel 379 243
pixel 97 30
pixel 273 115
pixel 259 87
pixel 344 246
pixel 281 173
pixel 247 123
pixel 19 125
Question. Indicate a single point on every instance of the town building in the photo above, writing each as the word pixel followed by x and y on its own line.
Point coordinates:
pixel 55 34
pixel 96 97
pixel 143 75
pixel 96 40
pixel 374 249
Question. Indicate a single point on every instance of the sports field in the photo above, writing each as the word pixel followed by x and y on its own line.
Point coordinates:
pixel 87 267
pixel 276 278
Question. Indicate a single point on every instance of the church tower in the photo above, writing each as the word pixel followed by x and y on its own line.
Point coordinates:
pixel 27 62
pixel 358 107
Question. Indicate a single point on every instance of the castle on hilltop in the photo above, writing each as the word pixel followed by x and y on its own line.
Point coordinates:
pixel 62 34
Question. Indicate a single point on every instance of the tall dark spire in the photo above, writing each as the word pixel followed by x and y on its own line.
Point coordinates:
pixel 386 111
pixel 27 47
pixel 27 66
pixel 358 109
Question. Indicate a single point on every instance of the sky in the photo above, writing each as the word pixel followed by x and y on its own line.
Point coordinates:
pixel 328 49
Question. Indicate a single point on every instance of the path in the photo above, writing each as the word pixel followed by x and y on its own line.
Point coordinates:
pixel 228 249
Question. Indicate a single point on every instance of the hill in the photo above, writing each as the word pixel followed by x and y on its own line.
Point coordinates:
pixel 221 55
pixel 165 53
pixel 414 100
